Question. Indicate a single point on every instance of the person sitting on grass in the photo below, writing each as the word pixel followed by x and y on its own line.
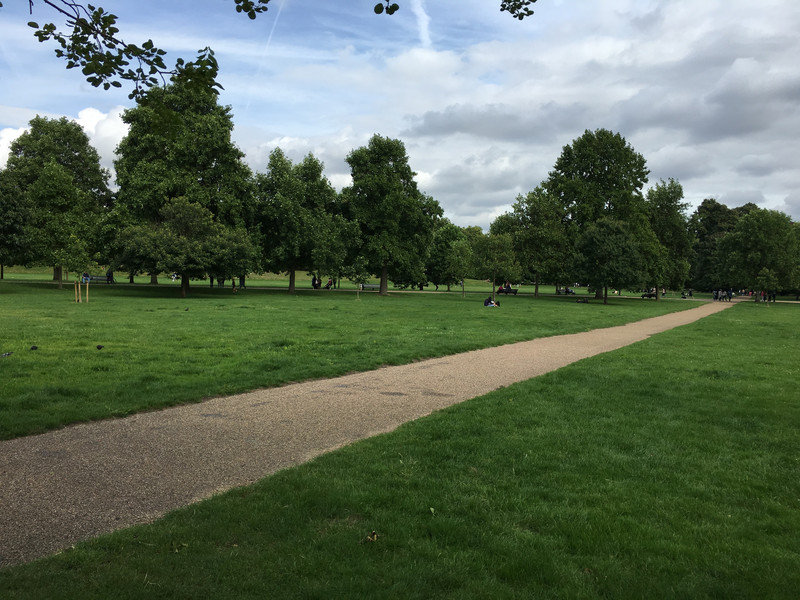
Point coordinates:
pixel 490 302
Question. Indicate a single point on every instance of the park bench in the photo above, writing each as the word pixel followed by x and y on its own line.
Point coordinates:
pixel 370 286
pixel 100 278
pixel 507 291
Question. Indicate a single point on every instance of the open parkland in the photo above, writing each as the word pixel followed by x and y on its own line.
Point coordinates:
pixel 669 468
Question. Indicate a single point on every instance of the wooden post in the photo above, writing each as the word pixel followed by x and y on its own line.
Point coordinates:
pixel 87 292
pixel 76 291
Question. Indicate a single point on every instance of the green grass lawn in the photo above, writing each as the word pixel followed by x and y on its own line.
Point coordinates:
pixel 667 469
pixel 160 350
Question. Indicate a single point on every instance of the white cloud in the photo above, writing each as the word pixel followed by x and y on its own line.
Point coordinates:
pixel 7 136
pixel 105 131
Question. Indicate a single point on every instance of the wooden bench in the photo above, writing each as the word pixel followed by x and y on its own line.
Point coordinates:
pixel 370 286
pixel 507 291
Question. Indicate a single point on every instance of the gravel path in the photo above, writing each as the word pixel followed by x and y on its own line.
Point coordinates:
pixel 76 483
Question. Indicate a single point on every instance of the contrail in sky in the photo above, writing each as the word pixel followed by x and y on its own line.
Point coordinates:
pixel 265 51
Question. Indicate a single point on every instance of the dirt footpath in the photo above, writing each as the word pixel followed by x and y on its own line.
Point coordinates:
pixel 76 483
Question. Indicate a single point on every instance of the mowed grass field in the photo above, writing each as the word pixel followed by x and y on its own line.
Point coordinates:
pixel 667 469
pixel 160 350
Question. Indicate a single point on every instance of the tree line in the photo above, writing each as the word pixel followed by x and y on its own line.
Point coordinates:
pixel 187 203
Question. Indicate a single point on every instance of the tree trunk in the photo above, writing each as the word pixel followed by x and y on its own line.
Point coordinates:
pixel 2 273
pixel 241 281
pixel 536 287
pixel 211 281
pixel 598 293
pixel 291 281
pixel 184 285
pixel 58 275
pixel 130 277
pixel 153 278
pixel 605 294
pixel 384 290
pixel 658 293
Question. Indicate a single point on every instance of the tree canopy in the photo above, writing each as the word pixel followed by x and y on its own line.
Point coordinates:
pixel 183 187
pixel 762 252
pixel 600 176
pixel 297 216
pixel 52 192
pixel 395 219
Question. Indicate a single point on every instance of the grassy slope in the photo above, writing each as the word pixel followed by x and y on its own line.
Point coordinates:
pixel 667 469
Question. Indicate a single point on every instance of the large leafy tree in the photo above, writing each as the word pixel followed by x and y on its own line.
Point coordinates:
pixel 62 219
pixel 53 180
pixel 668 220
pixel 179 146
pixel 762 252
pixel 610 256
pixel 297 214
pixel 90 40
pixel 709 224
pixel 542 243
pixel 395 219
pixel 598 176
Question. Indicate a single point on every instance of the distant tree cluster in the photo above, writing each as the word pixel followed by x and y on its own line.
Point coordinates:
pixel 591 223
pixel 188 204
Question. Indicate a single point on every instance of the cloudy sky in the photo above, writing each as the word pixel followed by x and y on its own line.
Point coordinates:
pixel 708 91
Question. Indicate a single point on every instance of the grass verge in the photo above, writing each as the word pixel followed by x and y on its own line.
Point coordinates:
pixel 667 469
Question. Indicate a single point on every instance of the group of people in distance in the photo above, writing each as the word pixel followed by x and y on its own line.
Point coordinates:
pixel 723 295
pixel 490 302
pixel 317 283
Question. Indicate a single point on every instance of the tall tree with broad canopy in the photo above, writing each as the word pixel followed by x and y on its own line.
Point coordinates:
pixel 542 243
pixel 54 180
pixel 179 146
pixel 610 256
pixel 709 224
pixel 666 213
pixel 599 175
pixel 92 42
pixel 63 218
pixel 762 250
pixel 297 207
pixel 395 219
